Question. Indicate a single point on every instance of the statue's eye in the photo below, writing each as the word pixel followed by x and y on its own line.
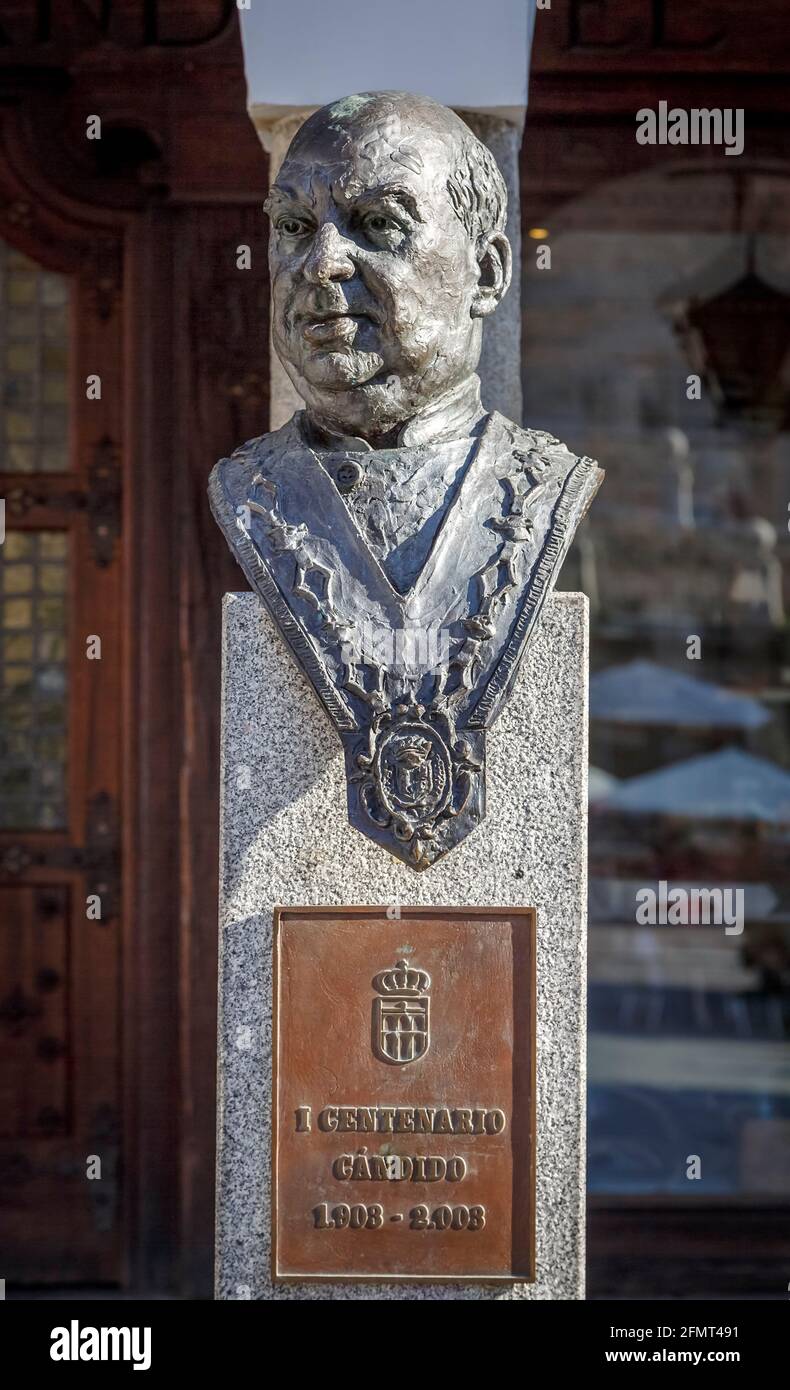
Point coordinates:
pixel 292 226
pixel 378 226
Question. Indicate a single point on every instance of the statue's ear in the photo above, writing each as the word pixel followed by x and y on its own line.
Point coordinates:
pixel 495 265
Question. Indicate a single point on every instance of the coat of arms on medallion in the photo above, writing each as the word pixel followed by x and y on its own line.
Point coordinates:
pixel 401 1014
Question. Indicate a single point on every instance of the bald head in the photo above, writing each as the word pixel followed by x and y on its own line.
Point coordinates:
pixel 415 131
pixel 387 252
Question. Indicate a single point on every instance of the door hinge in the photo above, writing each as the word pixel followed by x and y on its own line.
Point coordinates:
pixel 99 858
pixel 101 500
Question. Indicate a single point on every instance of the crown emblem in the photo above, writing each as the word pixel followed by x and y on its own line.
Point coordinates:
pixel 412 751
pixel 401 1015
pixel 402 979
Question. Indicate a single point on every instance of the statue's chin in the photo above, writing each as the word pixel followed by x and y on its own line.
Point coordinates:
pixel 337 371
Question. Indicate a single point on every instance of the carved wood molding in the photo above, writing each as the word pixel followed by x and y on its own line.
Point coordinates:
pixel 63 31
pixel 57 231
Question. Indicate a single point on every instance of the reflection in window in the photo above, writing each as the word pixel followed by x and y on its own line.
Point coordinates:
pixel 685 559
pixel 33 366
pixel 33 680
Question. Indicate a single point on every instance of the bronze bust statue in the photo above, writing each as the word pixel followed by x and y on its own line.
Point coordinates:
pixel 402 538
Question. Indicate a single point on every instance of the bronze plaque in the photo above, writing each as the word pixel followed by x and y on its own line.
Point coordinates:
pixel 404 1107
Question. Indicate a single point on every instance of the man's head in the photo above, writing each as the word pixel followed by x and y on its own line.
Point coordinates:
pixel 387 251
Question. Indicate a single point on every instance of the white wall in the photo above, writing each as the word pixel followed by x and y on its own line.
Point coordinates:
pixel 464 53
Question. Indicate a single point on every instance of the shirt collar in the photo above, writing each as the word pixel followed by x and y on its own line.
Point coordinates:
pixel 451 416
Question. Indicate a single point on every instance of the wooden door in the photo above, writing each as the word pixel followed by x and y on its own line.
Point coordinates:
pixel 60 755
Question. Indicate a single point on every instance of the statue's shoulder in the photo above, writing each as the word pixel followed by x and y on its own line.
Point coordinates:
pixel 256 455
pixel 544 455
pixel 231 478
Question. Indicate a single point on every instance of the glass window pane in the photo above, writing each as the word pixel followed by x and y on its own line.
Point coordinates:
pixel 19 458
pixel 53 458
pixel 52 423
pixel 34 366
pixel 54 357
pixel 15 676
pixel 54 390
pixel 21 357
pixel 34 574
pixel 19 424
pixel 50 613
pixel 19 648
pixel 19 545
pixel 684 557
pixel 17 613
pixel 18 258
pixel 54 290
pixel 18 390
pixel 21 288
pixel 51 646
pixel 52 545
pixel 21 323
pixel 52 579
pixel 54 324
pixel 17 579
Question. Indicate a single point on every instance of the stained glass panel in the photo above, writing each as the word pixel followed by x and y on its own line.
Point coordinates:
pixel 33 680
pixel 33 366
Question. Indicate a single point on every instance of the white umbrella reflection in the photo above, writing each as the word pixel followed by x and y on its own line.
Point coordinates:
pixel 642 692
pixel 726 785
pixel 600 784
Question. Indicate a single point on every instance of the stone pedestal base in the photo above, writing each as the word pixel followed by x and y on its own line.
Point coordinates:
pixel 285 839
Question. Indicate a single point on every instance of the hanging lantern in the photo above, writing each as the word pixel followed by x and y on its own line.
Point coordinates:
pixel 735 331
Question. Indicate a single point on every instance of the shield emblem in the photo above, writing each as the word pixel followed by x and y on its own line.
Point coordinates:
pixel 413 772
pixel 401 1017
pixel 401 1028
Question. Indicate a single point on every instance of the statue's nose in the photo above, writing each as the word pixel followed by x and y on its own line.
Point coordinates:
pixel 328 258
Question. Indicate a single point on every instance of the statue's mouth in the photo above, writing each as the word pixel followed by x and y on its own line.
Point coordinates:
pixel 340 326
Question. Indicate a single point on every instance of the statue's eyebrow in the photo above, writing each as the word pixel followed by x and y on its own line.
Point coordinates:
pixel 398 191
pixel 281 193
pixel 284 194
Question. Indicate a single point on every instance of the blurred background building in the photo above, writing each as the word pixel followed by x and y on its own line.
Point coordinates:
pixel 119 261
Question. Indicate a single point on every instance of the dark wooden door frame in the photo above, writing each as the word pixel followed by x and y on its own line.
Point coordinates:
pixel 85 245
pixel 160 242
pixel 198 334
pixel 152 1011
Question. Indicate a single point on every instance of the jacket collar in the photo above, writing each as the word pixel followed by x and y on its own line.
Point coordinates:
pixel 308 499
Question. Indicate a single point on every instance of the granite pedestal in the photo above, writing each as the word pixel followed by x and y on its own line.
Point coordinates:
pixel 285 839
